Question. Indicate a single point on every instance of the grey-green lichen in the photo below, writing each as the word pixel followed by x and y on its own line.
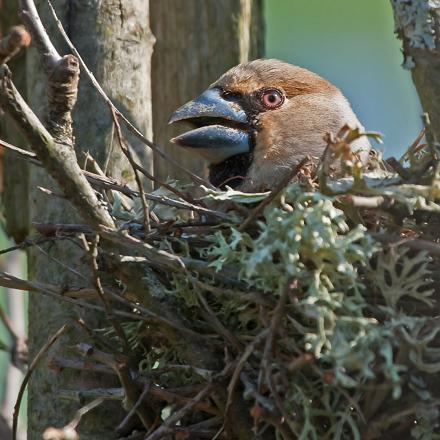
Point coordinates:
pixel 414 23
pixel 333 332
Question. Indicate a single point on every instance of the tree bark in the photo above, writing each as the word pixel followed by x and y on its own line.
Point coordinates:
pixel 115 41
pixel 195 44
pixel 417 24
pixel 15 173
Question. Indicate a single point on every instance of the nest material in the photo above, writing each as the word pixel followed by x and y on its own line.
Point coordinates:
pixel 307 312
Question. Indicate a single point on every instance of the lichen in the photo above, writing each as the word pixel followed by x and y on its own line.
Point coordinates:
pixel 414 22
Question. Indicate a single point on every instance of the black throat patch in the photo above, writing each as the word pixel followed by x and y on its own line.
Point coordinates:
pixel 230 172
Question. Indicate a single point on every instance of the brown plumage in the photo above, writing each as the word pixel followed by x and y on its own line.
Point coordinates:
pixel 260 118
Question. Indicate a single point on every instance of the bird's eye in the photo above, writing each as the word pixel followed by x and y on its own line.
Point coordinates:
pixel 271 98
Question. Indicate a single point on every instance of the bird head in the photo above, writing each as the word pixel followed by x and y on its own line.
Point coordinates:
pixel 261 118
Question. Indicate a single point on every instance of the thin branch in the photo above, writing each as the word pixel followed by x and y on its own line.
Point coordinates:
pixel 30 17
pixel 129 125
pixel 12 282
pixel 8 325
pixel 73 296
pixel 274 193
pixel 68 432
pixel 58 363
pixel 122 427
pixel 212 320
pixel 58 159
pixel 174 418
pixel 28 374
pixel 411 242
pixel 93 255
pixel 241 362
pixel 109 183
pixel 156 392
pixel 60 263
pixel 126 150
pixel 82 411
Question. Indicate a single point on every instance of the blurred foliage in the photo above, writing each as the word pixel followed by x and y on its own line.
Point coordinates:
pixel 351 43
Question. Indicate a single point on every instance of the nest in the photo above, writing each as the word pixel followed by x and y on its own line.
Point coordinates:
pixel 306 312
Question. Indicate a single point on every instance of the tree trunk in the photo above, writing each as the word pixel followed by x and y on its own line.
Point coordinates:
pixel 195 44
pixel 15 181
pixel 418 26
pixel 114 39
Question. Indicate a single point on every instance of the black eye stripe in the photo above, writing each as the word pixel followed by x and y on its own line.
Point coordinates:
pixel 229 95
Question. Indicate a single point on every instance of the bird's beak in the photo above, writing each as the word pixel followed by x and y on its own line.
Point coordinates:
pixel 221 126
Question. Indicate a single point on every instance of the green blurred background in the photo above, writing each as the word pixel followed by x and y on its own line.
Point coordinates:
pixel 352 44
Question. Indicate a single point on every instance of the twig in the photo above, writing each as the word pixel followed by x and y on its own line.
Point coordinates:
pixel 398 168
pixel 173 419
pixel 59 363
pixel 122 427
pixel 126 150
pixel 413 146
pixel 291 285
pixel 101 393
pixel 273 194
pixel 367 202
pixel 8 324
pixel 129 125
pixel 60 263
pixel 109 183
pixel 155 256
pixel 268 354
pixel 70 296
pixel 93 255
pixel 84 410
pixel 28 374
pixel 155 391
pixel 58 159
pixel 68 432
pixel 411 242
pixel 61 230
pixel 212 320
pixel 249 350
pixel 12 282
pixel 132 394
pixel 30 17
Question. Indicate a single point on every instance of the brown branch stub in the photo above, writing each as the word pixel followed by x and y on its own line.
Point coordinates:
pixel 58 158
pixel 62 76
pixel 63 81
pixel 17 39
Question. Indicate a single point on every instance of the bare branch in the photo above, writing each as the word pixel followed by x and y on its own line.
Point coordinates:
pixel 129 125
pixel 274 193
pixel 29 15
pixel 173 419
pixel 28 374
pixel 99 181
pixel 58 159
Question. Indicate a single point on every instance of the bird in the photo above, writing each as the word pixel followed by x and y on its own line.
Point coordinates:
pixel 259 119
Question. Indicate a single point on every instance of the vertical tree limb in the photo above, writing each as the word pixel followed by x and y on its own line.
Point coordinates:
pixel 190 54
pixel 14 174
pixel 417 23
